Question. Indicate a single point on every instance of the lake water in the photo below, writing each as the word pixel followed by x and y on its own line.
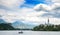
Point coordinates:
pixel 30 33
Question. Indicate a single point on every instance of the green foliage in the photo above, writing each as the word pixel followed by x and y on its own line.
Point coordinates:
pixel 6 26
pixel 44 27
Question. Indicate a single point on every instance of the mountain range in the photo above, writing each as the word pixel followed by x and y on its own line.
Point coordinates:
pixel 20 24
pixel 2 21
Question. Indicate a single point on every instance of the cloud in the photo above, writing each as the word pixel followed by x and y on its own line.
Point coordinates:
pixel 42 7
pixel 10 3
pixel 35 15
pixel 8 7
pixel 26 14
pixel 55 20
pixel 53 11
pixel 56 1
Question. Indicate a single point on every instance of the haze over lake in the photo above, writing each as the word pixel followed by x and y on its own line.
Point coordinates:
pixel 30 33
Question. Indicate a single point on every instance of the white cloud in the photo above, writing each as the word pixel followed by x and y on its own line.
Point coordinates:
pixel 9 15
pixel 55 20
pixel 53 11
pixel 42 7
pixel 11 3
pixel 56 1
pixel 26 14
pixel 33 15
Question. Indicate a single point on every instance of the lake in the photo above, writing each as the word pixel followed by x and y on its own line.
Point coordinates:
pixel 30 33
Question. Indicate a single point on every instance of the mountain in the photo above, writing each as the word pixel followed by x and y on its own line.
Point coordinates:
pixel 4 26
pixel 20 24
pixel 2 21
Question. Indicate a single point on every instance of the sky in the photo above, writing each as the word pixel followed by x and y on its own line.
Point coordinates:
pixel 30 11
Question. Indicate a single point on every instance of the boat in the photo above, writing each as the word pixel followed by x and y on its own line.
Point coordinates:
pixel 21 32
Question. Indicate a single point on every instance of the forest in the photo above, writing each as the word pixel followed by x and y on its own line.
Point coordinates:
pixel 47 27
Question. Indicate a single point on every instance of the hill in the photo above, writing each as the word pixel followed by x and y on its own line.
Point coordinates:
pixel 6 26
pixel 21 25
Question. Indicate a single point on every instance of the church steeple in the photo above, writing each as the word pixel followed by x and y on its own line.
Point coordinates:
pixel 48 21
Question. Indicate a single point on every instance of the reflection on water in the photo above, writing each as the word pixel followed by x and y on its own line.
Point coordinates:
pixel 29 33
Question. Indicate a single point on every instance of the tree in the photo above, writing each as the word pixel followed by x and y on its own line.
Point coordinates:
pixel 43 27
pixel 5 26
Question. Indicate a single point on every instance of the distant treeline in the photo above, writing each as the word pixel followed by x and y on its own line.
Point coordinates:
pixel 47 27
